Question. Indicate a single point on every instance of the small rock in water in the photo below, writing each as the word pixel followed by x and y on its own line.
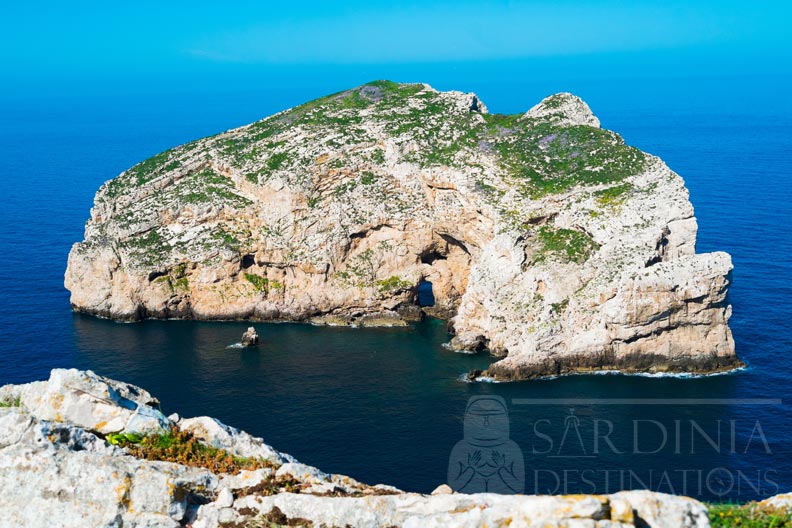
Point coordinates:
pixel 473 374
pixel 250 337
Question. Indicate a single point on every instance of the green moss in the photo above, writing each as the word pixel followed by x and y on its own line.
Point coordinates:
pixel 211 193
pixel 336 163
pixel 176 279
pixel 749 515
pixel 613 196
pixel 226 239
pixel 204 186
pixel 540 157
pixel 145 170
pixel 547 159
pixel 142 173
pixel 148 249
pixel 397 90
pixel 120 439
pixel 345 187
pixel 260 284
pixel 183 448
pixel 341 109
pixel 354 100
pixel 182 283
pixel 484 187
pixel 11 402
pixel 378 156
pixel 275 161
pixel 554 101
pixel 560 306
pixel 393 283
pixel 567 244
pixel 501 123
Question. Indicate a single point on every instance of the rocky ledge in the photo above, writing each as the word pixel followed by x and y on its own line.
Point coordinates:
pixel 83 450
pixel 546 239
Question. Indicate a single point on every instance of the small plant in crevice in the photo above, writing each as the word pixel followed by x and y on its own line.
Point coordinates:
pixel 183 448
pixel 10 401
pixel 392 284
pixel 260 284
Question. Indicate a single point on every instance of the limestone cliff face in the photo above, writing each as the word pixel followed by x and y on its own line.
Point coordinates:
pixel 547 240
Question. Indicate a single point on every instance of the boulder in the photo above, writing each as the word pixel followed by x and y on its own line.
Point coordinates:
pixel 57 474
pixel 93 402
pixel 215 433
pixel 782 501
pixel 250 337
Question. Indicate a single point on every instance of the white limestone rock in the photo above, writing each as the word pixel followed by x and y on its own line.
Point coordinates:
pixel 654 510
pixel 442 489
pixel 56 474
pixel 93 402
pixel 782 502
pixel 566 108
pixel 217 434
pixel 660 510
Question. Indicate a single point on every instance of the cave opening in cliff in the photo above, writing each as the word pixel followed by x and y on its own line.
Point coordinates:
pixel 431 255
pixel 425 293
pixel 248 261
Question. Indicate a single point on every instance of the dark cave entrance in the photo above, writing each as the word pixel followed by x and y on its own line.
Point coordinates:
pixel 248 261
pixel 425 293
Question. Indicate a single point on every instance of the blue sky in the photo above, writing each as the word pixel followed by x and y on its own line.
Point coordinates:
pixel 135 43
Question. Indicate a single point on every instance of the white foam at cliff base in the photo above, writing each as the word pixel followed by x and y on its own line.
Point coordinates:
pixel 448 346
pixel 481 379
pixel 678 375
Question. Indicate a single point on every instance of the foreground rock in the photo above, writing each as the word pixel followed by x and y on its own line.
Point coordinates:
pixel 57 469
pixel 546 239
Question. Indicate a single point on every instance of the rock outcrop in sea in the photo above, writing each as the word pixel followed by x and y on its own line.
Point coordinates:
pixel 83 450
pixel 250 338
pixel 546 239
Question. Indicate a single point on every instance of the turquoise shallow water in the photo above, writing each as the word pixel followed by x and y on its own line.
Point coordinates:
pixel 387 405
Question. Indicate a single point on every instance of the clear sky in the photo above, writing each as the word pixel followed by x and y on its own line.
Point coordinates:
pixel 137 43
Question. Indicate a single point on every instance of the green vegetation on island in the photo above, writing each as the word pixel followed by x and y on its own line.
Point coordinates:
pixel 332 150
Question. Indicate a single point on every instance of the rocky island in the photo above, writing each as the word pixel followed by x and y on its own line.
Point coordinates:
pixel 83 450
pixel 546 239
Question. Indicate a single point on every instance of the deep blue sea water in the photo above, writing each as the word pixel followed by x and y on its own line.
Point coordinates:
pixel 387 405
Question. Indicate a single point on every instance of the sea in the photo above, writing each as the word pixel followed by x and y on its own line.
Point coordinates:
pixel 390 405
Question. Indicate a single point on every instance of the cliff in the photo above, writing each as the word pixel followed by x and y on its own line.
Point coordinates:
pixel 82 450
pixel 546 239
